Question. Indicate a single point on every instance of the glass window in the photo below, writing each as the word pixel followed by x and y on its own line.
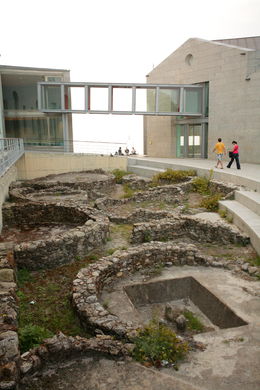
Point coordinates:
pixel 52 97
pixel 20 92
pixel 180 140
pixel 35 130
pixel 193 100
pixel 145 99
pixel 168 100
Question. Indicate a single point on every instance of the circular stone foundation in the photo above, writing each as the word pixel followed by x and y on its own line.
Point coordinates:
pixel 72 185
pixel 91 281
pixel 83 229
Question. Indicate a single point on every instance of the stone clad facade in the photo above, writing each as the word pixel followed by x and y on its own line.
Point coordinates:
pixel 233 77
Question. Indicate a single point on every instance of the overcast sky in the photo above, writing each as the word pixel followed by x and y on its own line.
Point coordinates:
pixel 114 41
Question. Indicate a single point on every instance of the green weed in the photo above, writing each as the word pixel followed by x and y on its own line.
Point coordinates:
pixel 23 276
pixel 255 261
pixel 119 174
pixel 128 191
pixel 211 202
pixel 156 342
pixel 193 322
pixel 31 336
pixel 171 176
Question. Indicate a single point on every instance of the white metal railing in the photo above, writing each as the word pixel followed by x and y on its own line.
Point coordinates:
pixel 11 149
pixel 75 146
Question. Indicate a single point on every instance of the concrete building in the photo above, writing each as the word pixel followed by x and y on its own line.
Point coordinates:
pixel 19 114
pixel 228 71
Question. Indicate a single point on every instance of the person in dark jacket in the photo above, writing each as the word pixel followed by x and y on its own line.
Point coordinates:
pixel 234 155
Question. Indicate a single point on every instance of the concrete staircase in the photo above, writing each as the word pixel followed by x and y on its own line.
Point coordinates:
pixel 245 211
pixel 148 168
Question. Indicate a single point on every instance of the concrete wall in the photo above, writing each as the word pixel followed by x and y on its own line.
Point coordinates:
pixel 5 181
pixel 233 101
pixel 35 164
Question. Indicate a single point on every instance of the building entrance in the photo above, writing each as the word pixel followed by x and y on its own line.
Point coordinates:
pixel 191 140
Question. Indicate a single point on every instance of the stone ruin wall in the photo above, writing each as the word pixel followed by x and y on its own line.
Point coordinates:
pixel 90 281
pixel 186 226
pixel 92 231
pixel 9 342
pixel 88 285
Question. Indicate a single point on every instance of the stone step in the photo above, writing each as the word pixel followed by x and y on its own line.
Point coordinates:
pixel 245 219
pixel 249 199
pixel 144 171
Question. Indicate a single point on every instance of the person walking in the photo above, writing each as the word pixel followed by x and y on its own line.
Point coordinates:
pixel 234 155
pixel 220 150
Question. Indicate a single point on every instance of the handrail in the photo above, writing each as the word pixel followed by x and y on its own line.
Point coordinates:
pixel 11 149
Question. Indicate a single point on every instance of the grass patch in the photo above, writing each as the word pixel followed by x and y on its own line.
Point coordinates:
pixel 31 336
pixel 156 343
pixel 255 261
pixel 128 191
pixel 23 276
pixel 45 303
pixel 119 174
pixel 224 214
pixel 171 176
pixel 123 230
pixel 211 202
pixel 202 184
pixel 193 322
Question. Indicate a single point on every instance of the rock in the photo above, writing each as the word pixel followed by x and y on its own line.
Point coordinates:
pixel 252 270
pixel 244 267
pixel 181 322
pixel 171 312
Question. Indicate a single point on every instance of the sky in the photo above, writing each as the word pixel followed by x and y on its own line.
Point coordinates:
pixel 114 41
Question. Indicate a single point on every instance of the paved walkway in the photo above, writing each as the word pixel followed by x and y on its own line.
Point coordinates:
pixel 104 374
pixel 249 175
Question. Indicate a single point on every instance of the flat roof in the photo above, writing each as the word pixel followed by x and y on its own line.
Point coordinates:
pixel 32 68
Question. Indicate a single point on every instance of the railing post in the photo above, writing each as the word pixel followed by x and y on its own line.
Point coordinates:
pixel 11 149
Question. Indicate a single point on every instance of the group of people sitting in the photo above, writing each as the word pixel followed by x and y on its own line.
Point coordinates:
pixel 119 152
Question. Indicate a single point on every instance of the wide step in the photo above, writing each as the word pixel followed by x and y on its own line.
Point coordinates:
pixel 249 199
pixel 144 171
pixel 245 219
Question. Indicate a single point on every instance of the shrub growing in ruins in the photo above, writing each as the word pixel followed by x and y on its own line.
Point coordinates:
pixel 128 191
pixel 171 176
pixel 211 202
pixel 156 344
pixel 202 184
pixel 193 322
pixel 31 336
pixel 119 174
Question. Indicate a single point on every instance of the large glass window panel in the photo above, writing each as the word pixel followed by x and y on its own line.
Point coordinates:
pixel 145 99
pixel 194 141
pixel 193 100
pixel 20 92
pixel 77 95
pixel 180 140
pixel 52 97
pixel 98 99
pixel 168 100
pixel 122 99
pixel 36 131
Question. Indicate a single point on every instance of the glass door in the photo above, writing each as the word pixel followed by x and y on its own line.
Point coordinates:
pixel 194 141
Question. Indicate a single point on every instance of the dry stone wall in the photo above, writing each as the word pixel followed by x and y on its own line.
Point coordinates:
pixel 9 343
pixel 88 285
pixel 61 347
pixel 90 230
pixel 185 226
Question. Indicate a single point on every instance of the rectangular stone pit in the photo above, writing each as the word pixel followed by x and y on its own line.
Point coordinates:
pixel 180 288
